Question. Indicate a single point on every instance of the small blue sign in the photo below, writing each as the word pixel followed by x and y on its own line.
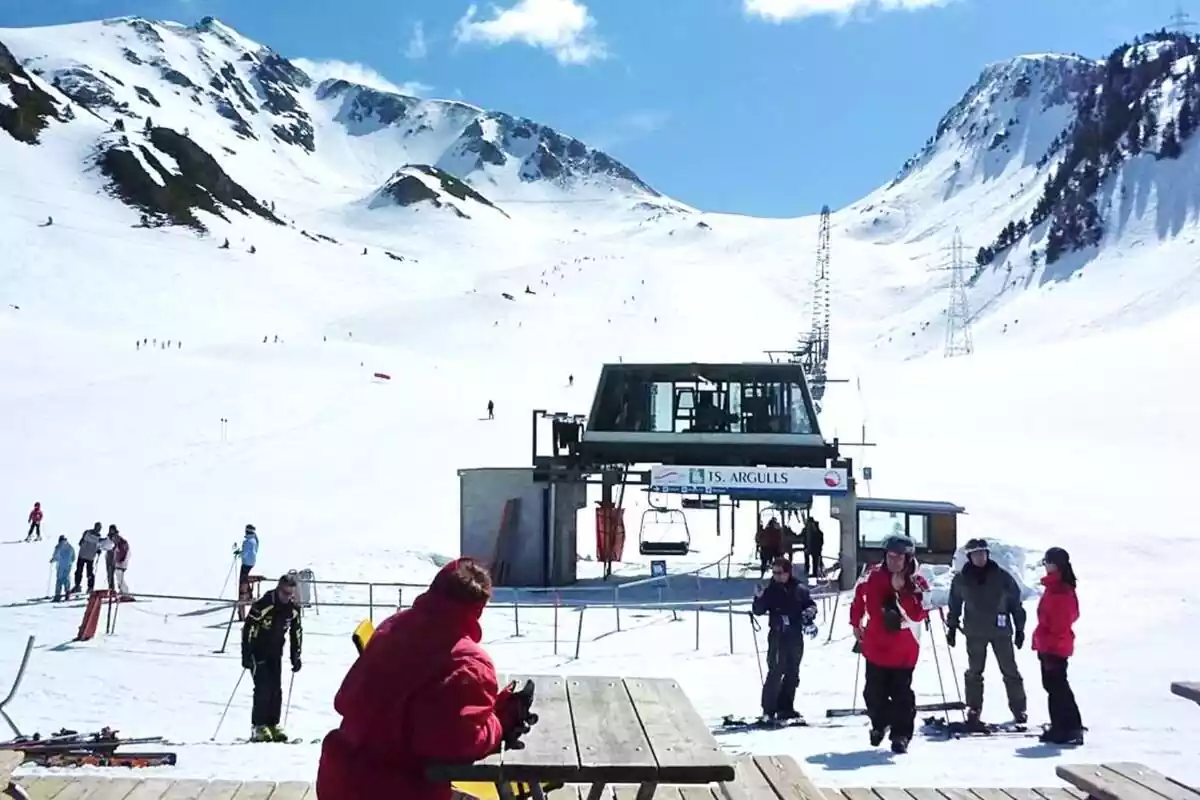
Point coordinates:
pixel 658 568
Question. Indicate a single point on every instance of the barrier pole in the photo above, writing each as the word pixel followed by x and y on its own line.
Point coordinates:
pixel 730 612
pixel 556 601
pixel 697 628
pixel 579 632
pixel 371 603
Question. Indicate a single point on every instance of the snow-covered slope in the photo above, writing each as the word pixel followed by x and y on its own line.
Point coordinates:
pixel 182 385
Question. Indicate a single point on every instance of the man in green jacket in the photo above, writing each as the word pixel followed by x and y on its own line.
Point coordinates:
pixel 995 617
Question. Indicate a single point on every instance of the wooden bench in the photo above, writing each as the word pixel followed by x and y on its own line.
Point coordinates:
pixel 1123 781
pixel 1187 689
pixel 94 787
pixel 603 731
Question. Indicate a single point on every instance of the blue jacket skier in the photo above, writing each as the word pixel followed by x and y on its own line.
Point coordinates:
pixel 248 552
pixel 791 612
pixel 62 559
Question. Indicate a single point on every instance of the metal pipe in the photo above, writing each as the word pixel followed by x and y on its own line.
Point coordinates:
pixel 579 632
pixel 16 685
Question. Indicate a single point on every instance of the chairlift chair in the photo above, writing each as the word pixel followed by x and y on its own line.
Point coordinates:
pixel 674 518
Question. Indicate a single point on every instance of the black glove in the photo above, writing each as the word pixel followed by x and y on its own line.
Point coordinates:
pixel 1019 639
pixel 248 662
pixel 296 665
pixel 892 619
pixel 523 719
pixel 951 636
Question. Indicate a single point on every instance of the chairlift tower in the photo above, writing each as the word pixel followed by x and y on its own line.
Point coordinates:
pixel 958 313
pixel 819 334
pixel 1181 22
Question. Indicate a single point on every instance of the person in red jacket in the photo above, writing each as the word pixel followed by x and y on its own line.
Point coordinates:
pixel 35 523
pixel 891 596
pixel 1054 642
pixel 422 692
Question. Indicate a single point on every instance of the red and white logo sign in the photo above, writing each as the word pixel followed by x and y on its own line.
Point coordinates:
pixel 833 479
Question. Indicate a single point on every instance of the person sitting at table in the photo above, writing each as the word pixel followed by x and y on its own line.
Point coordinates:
pixel 423 692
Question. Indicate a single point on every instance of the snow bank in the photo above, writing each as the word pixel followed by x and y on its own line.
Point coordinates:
pixel 1016 560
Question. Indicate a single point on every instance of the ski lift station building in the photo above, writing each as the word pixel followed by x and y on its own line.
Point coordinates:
pixel 744 431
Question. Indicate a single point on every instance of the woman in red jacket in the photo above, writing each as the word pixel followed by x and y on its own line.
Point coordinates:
pixel 891 596
pixel 1054 642
pixel 423 692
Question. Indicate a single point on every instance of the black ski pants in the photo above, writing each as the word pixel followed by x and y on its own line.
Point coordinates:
pixel 82 564
pixel 785 651
pixel 268 691
pixel 812 561
pixel 891 704
pixel 1064 712
pixel 34 527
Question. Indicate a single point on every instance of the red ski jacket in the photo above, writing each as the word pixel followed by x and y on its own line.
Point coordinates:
pixel 422 692
pixel 1056 615
pixel 880 646
pixel 35 515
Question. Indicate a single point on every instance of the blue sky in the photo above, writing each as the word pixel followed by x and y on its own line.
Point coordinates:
pixel 765 107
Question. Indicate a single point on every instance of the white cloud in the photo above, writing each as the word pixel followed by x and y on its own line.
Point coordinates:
pixel 564 27
pixel 417 47
pixel 783 10
pixel 360 74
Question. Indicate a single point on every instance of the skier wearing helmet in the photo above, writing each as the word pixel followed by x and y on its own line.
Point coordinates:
pixel 890 595
pixel 1054 642
pixel 993 617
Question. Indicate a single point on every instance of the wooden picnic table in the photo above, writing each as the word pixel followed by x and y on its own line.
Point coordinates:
pixel 602 731
pixel 1187 689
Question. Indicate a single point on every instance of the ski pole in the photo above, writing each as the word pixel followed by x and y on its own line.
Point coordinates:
pixel 228 575
pixel 938 664
pixel 950 657
pixel 857 668
pixel 49 580
pixel 232 694
pixel 288 705
pixel 754 629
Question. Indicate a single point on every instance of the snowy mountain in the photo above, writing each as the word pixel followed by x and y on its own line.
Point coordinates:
pixel 241 107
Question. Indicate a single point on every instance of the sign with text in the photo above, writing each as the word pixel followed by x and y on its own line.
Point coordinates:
pixel 722 480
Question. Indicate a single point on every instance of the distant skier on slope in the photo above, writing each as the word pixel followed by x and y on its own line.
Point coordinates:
pixel 491 410
pixel 35 523
pixel 274 618
pixel 120 561
pixel 814 543
pixel 62 558
pixel 89 547
pixel 891 597
pixel 994 616
pixel 792 611
pixel 248 552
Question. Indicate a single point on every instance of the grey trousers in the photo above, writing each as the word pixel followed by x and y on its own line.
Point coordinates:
pixel 785 651
pixel 1006 657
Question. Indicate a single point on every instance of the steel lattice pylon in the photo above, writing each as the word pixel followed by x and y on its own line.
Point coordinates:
pixel 819 335
pixel 958 313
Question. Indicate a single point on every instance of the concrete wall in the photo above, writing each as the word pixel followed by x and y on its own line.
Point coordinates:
pixel 483 493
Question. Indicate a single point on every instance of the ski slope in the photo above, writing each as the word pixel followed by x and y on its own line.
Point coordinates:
pixel 1072 425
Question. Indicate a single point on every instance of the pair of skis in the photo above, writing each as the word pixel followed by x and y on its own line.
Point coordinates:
pixel 70 748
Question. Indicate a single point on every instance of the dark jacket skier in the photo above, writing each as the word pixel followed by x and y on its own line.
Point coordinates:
pixel 274 618
pixel 792 611
pixel 814 543
pixel 89 546
pixel 985 602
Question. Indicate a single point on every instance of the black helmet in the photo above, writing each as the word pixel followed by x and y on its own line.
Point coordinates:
pixel 1058 557
pixel 251 530
pixel 976 546
pixel 898 543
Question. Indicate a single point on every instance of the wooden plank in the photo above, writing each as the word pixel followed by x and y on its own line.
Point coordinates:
pixel 680 740
pixel 44 788
pixel 748 783
pixel 612 746
pixel 109 788
pixel 150 789
pixel 255 790
pixel 1102 786
pixel 994 794
pixel 832 794
pixel 184 790
pixel 220 790
pixel 550 746
pixel 1021 794
pixel 293 790
pixel 694 793
pixel 1188 689
pixel 76 789
pixel 9 761
pixel 859 793
pixel 661 793
pixel 786 778
pixel 1154 781
pixel 888 793
pixel 925 794
pixel 957 794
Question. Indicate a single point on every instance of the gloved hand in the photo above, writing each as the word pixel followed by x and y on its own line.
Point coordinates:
pixel 513 707
pixel 248 662
pixel 1019 639
pixel 951 636
pixel 811 631
pixel 892 619
pixel 296 665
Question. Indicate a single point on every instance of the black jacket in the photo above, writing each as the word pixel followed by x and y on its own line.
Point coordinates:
pixel 790 605
pixel 267 625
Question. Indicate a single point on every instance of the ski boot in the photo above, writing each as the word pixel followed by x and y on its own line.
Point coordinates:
pixel 1061 737
pixel 261 733
pixel 788 714
pixel 900 745
pixel 1020 718
pixel 973 723
pixel 877 735
pixel 278 734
